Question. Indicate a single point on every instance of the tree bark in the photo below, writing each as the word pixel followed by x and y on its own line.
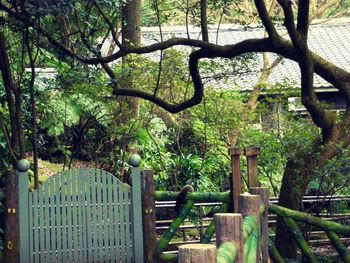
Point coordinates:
pixel 131 36
pixel 291 195
pixel 297 176
pixel 13 94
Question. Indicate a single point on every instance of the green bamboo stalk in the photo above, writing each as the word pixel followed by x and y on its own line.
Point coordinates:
pixel 195 196
pixel 339 246
pixel 309 219
pixel 299 239
pixel 211 228
pixel 170 232
pixel 246 247
pixel 249 224
pixel 253 247
pixel 226 253
pixel 274 254
pixel 168 257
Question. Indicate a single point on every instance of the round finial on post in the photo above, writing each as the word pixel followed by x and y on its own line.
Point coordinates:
pixel 23 165
pixel 135 160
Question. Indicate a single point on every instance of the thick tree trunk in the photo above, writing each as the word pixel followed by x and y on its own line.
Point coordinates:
pixel 131 36
pixel 290 197
pixel 296 178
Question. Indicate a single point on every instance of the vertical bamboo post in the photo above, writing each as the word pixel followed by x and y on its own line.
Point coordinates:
pixel 264 220
pixel 137 228
pixel 249 205
pixel 148 216
pixel 252 153
pixel 197 253
pixel 23 209
pixel 229 227
pixel 236 178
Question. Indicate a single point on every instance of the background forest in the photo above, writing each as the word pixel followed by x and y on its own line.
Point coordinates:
pixel 72 118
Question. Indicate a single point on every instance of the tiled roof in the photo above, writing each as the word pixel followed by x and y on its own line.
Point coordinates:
pixel 329 40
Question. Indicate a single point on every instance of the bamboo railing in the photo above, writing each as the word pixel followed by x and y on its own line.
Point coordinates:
pixel 241 236
pixel 238 235
pixel 332 229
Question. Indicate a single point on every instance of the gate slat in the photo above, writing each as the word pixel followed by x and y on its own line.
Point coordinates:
pixel 89 220
pixel 127 223
pixel 53 207
pixel 81 214
pixel 36 226
pixel 105 215
pixel 58 189
pixel 99 216
pixel 111 214
pixel 47 222
pixel 41 224
pixel 75 235
pixel 64 217
pixel 121 221
pixel 131 241
pixel 94 216
pixel 69 216
pixel 117 212
pixel 31 243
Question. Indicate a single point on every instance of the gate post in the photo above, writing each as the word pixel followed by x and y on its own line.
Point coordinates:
pixel 148 216
pixel 264 220
pixel 229 227
pixel 137 228
pixel 23 209
pixel 236 178
pixel 252 153
pixel 249 205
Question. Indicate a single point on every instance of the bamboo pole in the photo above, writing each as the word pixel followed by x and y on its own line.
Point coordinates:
pixel 253 248
pixel 169 234
pixel 246 247
pixel 273 252
pixel 168 257
pixel 227 253
pixel 211 228
pixel 229 229
pixel 299 239
pixel 249 224
pixel 197 253
pixel 339 246
pixel 195 196
pixel 309 219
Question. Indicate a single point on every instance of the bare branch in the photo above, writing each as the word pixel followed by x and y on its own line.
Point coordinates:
pixel 204 22
pixel 109 23
pixel 265 18
pixel 303 16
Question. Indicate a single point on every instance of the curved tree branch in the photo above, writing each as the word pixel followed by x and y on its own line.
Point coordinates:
pixel 295 50
pixel 265 18
pixel 320 116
